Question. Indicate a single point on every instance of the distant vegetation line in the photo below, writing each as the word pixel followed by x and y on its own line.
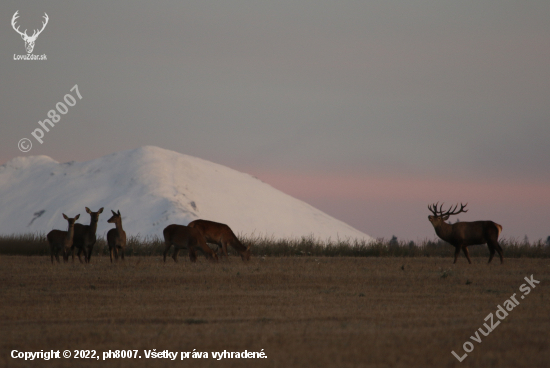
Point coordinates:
pixel 36 244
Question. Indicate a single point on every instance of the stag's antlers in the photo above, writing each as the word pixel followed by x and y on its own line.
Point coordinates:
pixel 24 34
pixel 439 212
pixel 15 16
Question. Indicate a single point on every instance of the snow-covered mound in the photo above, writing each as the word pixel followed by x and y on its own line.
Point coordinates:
pixel 153 188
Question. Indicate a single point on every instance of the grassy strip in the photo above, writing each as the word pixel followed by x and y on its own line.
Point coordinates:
pixel 384 248
pixel 36 244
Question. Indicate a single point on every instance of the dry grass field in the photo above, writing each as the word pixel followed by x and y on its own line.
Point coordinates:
pixel 303 311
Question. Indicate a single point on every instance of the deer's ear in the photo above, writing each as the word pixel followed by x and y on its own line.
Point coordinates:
pixel 114 213
pixel 446 218
pixel 100 210
pixel 88 210
pixel 119 212
pixel 65 217
pixel 77 217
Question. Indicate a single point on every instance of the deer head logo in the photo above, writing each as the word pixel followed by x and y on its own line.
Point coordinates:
pixel 29 40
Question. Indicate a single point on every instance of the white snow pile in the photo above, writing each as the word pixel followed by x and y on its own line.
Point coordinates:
pixel 153 188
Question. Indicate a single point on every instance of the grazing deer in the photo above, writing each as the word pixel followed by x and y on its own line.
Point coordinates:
pixel 116 238
pixel 222 236
pixel 84 236
pixel 463 234
pixel 62 241
pixel 185 237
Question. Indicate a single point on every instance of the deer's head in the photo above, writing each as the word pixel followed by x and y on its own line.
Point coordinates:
pixel 71 221
pixel 439 217
pixel 114 218
pixel 94 215
pixel 245 256
pixel 29 40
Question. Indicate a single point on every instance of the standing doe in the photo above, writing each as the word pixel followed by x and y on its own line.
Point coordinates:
pixel 62 241
pixel 185 237
pixel 84 236
pixel 222 236
pixel 116 238
pixel 463 234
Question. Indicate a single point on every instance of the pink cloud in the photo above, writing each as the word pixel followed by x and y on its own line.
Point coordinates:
pixel 406 188
pixel 386 205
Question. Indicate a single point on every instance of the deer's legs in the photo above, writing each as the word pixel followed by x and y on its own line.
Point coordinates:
pixel 457 251
pixel 192 254
pixel 111 254
pixel 54 254
pixel 219 251
pixel 206 249
pixel 499 250
pixel 175 254
pixel 495 246
pixel 167 246
pixel 79 255
pixel 89 253
pixel 491 251
pixel 467 254
pixel 224 248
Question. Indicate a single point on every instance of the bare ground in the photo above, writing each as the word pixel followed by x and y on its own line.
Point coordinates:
pixel 302 311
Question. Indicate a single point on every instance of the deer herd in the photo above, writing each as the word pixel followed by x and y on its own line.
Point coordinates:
pixel 191 237
pixel 198 233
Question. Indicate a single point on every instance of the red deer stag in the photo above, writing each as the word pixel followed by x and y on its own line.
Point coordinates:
pixel 185 237
pixel 222 236
pixel 463 234
pixel 84 236
pixel 116 238
pixel 62 241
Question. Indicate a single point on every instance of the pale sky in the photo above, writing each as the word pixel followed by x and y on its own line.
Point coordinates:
pixel 368 110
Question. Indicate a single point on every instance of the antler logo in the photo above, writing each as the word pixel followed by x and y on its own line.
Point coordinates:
pixel 29 40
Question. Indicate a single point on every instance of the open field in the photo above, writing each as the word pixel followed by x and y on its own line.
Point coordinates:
pixel 303 311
